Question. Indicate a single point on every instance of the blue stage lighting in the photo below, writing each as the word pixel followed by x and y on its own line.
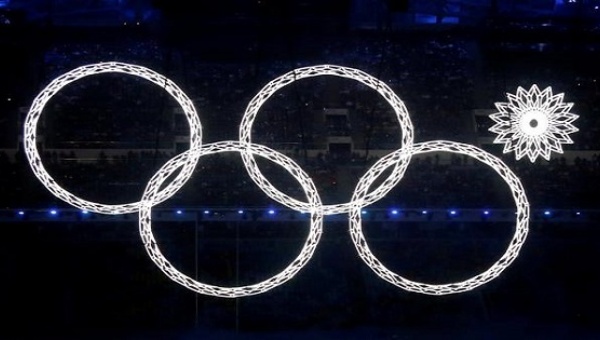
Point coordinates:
pixel 395 212
pixel 21 213
pixel 53 212
pixel 206 212
pixel 453 212
pixel 486 212
pixel 424 212
pixel 240 211
pixel 271 212
pixel 179 212
pixel 547 213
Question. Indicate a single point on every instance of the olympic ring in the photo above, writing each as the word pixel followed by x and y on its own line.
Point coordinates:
pixel 31 121
pixel 186 161
pixel 332 70
pixel 148 200
pixel 511 253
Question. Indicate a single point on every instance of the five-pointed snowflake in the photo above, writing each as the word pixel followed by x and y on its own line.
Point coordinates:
pixel 533 123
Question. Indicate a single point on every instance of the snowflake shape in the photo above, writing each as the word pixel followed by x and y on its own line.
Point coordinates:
pixel 533 123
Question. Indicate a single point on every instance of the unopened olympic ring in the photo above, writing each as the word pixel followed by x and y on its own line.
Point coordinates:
pixel 154 193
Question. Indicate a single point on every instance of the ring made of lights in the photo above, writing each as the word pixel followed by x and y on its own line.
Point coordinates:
pixel 327 70
pixel 151 192
pixel 533 123
pixel 186 162
pixel 30 140
pixel 518 193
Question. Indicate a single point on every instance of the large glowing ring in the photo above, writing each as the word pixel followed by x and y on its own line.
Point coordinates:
pixel 329 70
pixel 522 218
pixel 44 96
pixel 151 193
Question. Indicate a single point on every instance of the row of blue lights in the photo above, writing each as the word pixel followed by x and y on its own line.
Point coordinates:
pixel 393 212
pixel 55 212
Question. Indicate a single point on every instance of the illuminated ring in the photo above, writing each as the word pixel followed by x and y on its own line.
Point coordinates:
pixel 151 193
pixel 330 70
pixel 522 217
pixel 43 97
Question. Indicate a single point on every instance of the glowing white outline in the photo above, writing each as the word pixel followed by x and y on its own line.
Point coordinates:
pixel 31 121
pixel 361 197
pixel 148 200
pixel 518 193
pixel 330 70
pixel 551 113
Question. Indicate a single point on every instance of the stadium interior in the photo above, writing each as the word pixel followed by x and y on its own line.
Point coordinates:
pixel 76 274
